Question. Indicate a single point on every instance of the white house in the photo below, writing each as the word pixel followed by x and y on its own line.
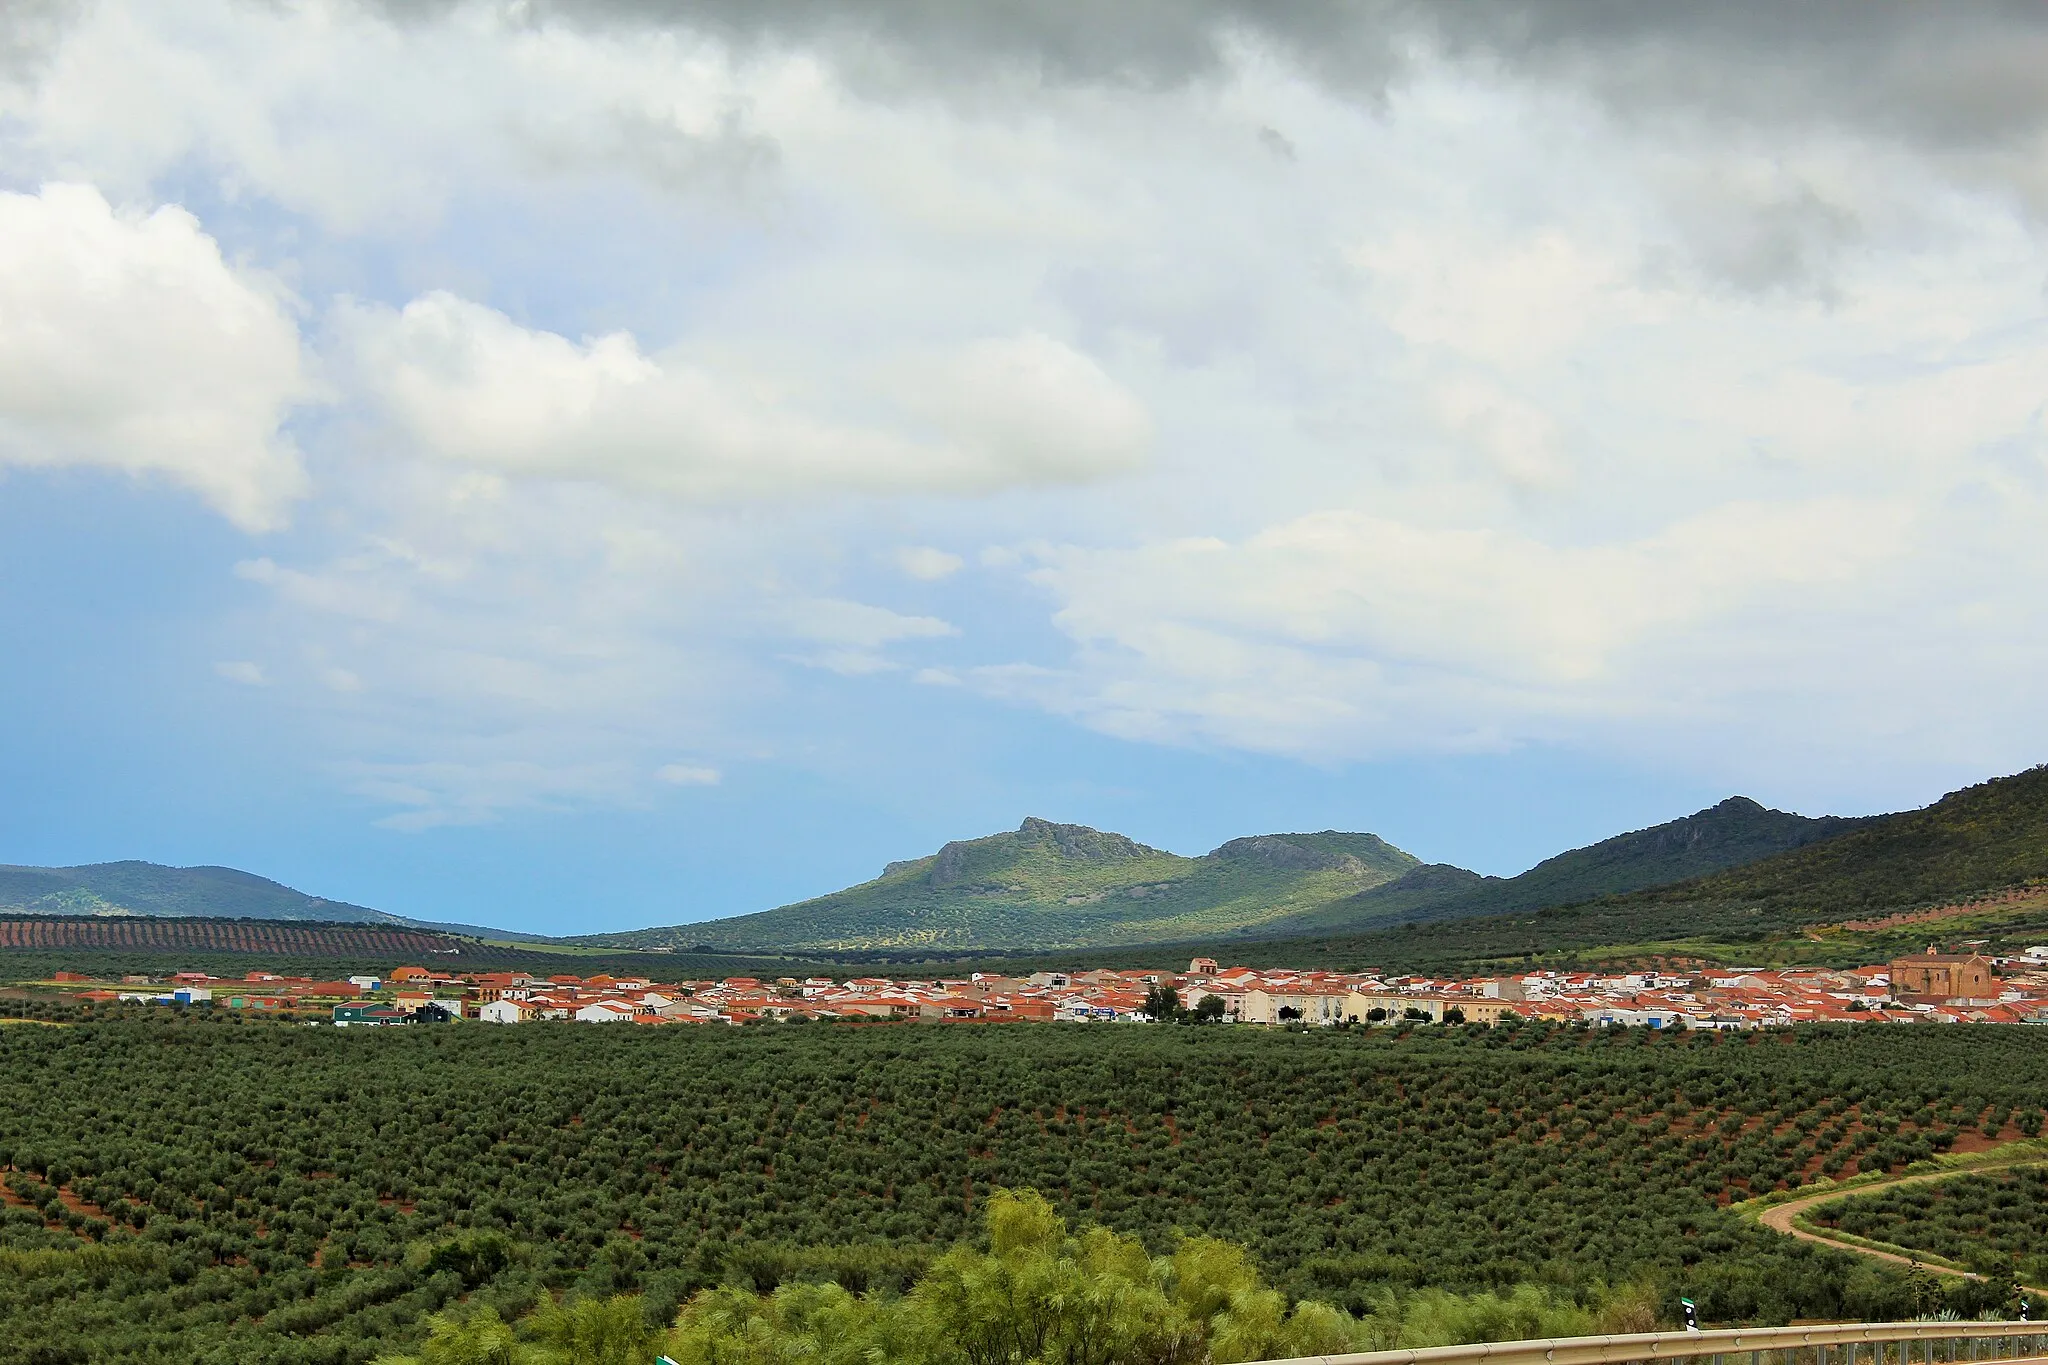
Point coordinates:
pixel 505 1011
pixel 605 1012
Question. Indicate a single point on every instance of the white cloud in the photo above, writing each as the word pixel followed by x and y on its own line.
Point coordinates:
pixel 1511 302
pixel 1482 416
pixel 1729 532
pixel 127 343
pixel 926 564
pixel 272 99
pixel 1508 607
pixel 688 775
pixel 1345 634
pixel 365 596
pixel 242 671
pixel 839 622
pixel 1033 406
pixel 1518 438
pixel 433 795
pixel 513 648
pixel 465 383
pixel 854 633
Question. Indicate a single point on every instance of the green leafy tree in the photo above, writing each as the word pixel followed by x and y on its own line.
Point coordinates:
pixel 609 1331
pixel 798 1324
pixel 476 1338
pixel 1038 1294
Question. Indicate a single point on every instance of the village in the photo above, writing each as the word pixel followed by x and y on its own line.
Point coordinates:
pixel 1929 987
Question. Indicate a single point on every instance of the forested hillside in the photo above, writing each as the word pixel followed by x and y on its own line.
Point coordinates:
pixel 234 1192
pixel 1982 838
pixel 1734 833
pixel 1786 908
pixel 1050 886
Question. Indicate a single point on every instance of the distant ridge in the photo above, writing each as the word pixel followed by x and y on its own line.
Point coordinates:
pixel 1734 833
pixel 142 890
pixel 1047 885
pixel 138 888
pixel 1982 838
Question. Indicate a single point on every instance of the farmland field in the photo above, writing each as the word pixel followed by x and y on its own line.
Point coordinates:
pixel 263 937
pixel 34 946
pixel 209 1190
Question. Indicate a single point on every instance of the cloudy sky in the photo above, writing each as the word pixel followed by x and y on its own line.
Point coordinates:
pixel 586 464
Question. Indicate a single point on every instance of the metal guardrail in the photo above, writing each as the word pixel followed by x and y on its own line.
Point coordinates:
pixel 1847 1343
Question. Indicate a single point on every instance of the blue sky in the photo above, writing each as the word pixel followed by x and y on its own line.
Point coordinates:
pixel 582 466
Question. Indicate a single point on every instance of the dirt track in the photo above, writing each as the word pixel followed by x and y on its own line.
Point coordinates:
pixel 1779 1217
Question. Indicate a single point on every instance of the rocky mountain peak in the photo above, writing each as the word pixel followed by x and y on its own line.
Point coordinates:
pixel 1274 851
pixel 1079 841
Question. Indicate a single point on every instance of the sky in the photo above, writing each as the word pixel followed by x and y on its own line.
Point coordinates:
pixel 588 464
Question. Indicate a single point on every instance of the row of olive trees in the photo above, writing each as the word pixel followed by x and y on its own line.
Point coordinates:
pixel 664 1162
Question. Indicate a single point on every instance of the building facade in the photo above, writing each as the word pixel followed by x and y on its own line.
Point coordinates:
pixel 1945 977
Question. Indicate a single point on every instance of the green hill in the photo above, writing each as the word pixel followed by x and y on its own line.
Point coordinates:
pixel 1785 908
pixel 1735 833
pixel 1982 838
pixel 1048 885
pixel 137 888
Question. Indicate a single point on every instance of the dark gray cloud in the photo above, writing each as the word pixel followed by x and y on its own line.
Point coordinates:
pixel 1958 84
pixel 29 30
pixel 1965 73
pixel 1147 42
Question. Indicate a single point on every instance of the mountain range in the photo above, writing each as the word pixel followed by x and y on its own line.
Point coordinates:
pixel 1052 886
pixel 1737 869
